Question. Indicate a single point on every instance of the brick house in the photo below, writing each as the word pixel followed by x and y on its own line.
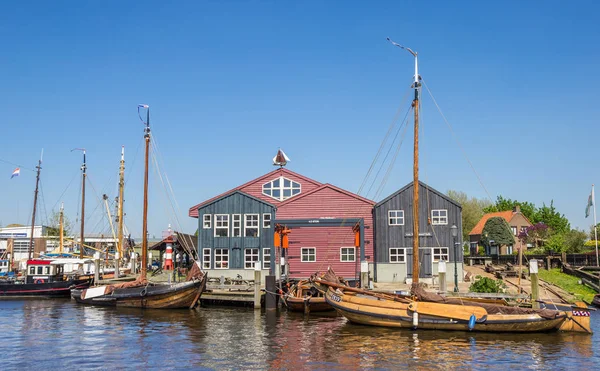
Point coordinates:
pixel 517 222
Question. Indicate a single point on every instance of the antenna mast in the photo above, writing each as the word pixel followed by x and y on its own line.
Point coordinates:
pixel 35 194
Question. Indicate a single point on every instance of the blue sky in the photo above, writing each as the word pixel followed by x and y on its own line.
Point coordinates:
pixel 230 82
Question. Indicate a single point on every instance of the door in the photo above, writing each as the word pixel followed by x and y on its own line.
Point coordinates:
pixel 425 262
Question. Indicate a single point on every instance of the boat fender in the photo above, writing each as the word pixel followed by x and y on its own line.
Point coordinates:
pixel 472 321
pixel 143 292
pixel 39 280
pixel 415 322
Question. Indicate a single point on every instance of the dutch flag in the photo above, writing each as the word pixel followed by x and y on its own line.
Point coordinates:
pixel 15 173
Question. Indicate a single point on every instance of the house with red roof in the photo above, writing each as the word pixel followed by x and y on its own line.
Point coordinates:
pixel 517 222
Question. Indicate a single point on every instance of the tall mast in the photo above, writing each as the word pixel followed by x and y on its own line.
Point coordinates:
pixel 83 174
pixel 35 194
pixel 415 104
pixel 61 232
pixel 144 261
pixel 120 209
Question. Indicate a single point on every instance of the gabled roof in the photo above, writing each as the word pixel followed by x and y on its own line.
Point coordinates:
pixel 193 211
pixel 330 186
pixel 231 193
pixel 429 189
pixel 478 229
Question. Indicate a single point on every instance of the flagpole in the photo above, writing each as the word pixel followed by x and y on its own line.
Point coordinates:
pixel 595 226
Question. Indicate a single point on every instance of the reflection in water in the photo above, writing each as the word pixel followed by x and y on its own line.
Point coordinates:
pixel 59 333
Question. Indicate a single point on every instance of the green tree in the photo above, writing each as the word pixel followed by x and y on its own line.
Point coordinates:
pixel 497 229
pixel 54 225
pixel 472 210
pixel 592 233
pixel 557 222
pixel 503 204
pixel 575 240
pixel 556 243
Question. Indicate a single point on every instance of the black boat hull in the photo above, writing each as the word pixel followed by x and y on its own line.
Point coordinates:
pixel 59 289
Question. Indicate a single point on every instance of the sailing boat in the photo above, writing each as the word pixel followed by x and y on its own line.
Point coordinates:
pixel 142 293
pixel 43 277
pixel 425 310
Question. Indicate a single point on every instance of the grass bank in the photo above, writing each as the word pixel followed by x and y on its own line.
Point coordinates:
pixel 567 283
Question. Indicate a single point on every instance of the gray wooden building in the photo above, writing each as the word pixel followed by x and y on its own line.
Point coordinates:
pixel 393 235
pixel 235 232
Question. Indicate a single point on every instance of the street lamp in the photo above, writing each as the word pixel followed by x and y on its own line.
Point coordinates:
pixel 454 232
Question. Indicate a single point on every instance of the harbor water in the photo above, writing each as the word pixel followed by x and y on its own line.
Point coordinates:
pixel 60 334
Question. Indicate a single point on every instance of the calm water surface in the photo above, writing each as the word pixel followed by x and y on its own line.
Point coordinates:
pixel 53 334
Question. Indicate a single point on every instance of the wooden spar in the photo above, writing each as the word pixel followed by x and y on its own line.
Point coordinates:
pixel 61 240
pixel 415 273
pixel 112 229
pixel 83 174
pixel 383 295
pixel 120 209
pixel 35 194
pixel 145 212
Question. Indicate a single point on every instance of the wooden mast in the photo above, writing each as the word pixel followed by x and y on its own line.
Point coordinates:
pixel 35 194
pixel 144 261
pixel 415 212
pixel 61 232
pixel 120 209
pixel 83 175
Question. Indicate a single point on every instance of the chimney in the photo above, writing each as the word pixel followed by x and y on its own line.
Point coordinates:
pixel 516 209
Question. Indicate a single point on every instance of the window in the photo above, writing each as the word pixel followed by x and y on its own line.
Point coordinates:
pixel 31 270
pixel 441 253
pixel 221 225
pixel 281 188
pixel 206 219
pixel 47 269
pixel 347 254
pixel 514 230
pixel 205 258
pixel 266 220
pixel 266 258
pixel 40 270
pixel 439 217
pixel 251 256
pixel 396 217
pixel 309 254
pixel 397 255
pixel 251 225
pixel 221 258
pixel 237 225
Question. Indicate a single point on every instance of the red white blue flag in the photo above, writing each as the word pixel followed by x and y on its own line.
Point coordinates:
pixel 15 173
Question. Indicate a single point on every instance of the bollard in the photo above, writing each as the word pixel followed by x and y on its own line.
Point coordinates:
pixel 271 298
pixel 535 288
pixel 96 268
pixel 364 274
pixel 442 273
pixel 257 293
pixel 116 265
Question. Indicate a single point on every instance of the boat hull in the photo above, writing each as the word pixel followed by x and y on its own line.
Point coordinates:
pixel 384 313
pixel 59 289
pixel 310 304
pixel 158 296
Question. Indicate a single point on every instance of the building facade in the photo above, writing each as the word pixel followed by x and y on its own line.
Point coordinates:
pixel 394 235
pixel 236 228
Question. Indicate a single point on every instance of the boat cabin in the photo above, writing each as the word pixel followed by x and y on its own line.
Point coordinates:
pixel 3 266
pixel 42 271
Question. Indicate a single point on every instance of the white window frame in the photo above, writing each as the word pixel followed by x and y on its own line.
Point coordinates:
pixel 294 186
pixel 266 252
pixel 347 254
pixel 207 222
pixel 254 254
pixel 439 219
pixel 221 253
pixel 399 253
pixel 442 254
pixel 266 221
pixel 222 224
pixel 206 258
pixel 246 226
pixel 398 217
pixel 514 230
pixel 236 218
pixel 307 252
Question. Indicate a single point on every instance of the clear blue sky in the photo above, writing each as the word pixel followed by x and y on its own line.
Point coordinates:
pixel 230 82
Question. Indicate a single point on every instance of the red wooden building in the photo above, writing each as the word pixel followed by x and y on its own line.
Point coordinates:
pixel 325 239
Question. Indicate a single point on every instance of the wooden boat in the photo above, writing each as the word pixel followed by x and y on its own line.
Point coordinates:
pixel 141 293
pixel 596 300
pixel 45 278
pixel 424 310
pixel 304 297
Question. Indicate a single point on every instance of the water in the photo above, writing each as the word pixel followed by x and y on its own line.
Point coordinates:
pixel 52 334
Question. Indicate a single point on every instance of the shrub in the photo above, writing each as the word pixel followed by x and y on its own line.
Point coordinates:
pixel 487 285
